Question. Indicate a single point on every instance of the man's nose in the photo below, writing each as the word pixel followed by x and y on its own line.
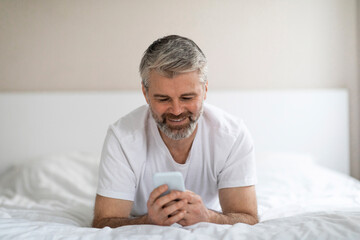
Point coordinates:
pixel 176 108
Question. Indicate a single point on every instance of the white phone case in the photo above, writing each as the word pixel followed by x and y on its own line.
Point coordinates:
pixel 174 180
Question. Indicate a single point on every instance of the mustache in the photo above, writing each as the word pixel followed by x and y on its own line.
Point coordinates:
pixel 180 116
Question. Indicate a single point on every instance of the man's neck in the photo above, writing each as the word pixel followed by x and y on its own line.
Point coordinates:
pixel 179 149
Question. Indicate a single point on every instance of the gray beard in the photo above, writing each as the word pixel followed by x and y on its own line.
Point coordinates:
pixel 178 133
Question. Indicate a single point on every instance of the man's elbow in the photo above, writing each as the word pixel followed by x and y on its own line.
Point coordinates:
pixel 254 220
pixel 97 223
pixel 251 219
pixel 94 224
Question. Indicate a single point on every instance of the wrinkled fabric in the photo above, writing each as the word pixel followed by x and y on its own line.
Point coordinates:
pixel 53 197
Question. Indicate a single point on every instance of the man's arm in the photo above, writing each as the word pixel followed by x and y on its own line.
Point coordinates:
pixel 161 210
pixel 113 213
pixel 238 205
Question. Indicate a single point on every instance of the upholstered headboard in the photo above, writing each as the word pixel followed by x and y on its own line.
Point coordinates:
pixel 312 122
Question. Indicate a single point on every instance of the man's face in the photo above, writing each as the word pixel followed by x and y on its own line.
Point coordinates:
pixel 176 103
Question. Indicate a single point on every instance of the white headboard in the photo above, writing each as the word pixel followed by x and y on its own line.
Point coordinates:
pixel 311 122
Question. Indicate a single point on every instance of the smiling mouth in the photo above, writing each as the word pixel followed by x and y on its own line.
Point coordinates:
pixel 176 120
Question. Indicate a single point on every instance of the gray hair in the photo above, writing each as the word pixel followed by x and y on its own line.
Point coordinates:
pixel 170 56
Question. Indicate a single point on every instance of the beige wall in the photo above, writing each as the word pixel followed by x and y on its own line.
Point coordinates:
pixel 97 45
pixel 92 45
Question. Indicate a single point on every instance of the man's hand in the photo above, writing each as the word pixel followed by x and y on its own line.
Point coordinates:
pixel 165 210
pixel 195 209
pixel 238 205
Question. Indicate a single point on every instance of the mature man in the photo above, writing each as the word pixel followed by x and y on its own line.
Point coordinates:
pixel 176 131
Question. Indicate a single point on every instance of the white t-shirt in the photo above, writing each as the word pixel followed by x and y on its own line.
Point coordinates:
pixel 221 156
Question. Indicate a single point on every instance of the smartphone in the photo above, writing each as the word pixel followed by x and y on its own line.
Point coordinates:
pixel 174 180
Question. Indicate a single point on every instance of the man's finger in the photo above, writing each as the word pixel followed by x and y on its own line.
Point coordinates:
pixel 188 195
pixel 182 222
pixel 156 193
pixel 175 218
pixel 171 210
pixel 170 203
pixel 172 196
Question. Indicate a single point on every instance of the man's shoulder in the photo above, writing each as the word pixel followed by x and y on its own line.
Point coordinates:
pixel 132 123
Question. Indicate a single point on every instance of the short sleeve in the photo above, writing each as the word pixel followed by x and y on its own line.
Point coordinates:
pixel 116 176
pixel 239 169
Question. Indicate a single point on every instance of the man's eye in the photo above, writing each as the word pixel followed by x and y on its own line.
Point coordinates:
pixel 163 99
pixel 186 98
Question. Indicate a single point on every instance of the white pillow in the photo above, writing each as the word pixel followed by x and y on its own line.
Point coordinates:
pixel 67 178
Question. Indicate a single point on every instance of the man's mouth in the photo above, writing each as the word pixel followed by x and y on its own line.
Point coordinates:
pixel 177 119
pixel 177 123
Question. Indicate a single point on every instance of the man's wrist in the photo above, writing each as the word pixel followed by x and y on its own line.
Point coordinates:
pixel 145 219
pixel 213 216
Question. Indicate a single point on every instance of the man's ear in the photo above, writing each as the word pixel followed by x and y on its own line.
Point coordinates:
pixel 145 93
pixel 205 89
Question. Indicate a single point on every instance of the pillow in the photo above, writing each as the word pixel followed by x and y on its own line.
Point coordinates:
pixel 67 178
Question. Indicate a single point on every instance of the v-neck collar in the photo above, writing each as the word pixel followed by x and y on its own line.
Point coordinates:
pixel 163 147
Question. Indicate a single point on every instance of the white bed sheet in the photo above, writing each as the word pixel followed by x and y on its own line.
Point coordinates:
pixel 53 198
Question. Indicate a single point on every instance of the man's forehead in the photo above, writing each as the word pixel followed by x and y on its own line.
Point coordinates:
pixel 183 78
pixel 180 87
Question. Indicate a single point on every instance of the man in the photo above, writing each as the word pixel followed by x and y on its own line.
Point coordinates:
pixel 176 131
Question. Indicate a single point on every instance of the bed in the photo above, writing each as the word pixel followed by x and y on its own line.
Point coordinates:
pixel 51 142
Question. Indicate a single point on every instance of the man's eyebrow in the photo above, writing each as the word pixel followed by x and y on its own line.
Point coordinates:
pixel 191 94
pixel 160 96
